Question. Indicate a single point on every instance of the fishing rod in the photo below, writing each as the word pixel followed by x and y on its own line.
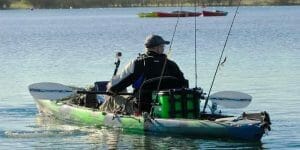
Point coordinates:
pixel 221 56
pixel 168 53
pixel 195 44
pixel 170 47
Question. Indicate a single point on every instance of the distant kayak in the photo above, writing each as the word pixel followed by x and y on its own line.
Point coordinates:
pixel 170 14
pixel 148 14
pixel 214 13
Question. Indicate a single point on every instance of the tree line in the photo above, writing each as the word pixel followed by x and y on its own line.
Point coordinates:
pixel 140 3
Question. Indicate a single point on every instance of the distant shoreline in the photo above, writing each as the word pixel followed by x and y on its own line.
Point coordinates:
pixel 57 4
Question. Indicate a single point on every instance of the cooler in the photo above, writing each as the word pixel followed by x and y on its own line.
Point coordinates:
pixel 176 103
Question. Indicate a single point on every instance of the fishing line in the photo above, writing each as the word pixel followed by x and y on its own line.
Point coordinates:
pixel 212 83
pixel 195 44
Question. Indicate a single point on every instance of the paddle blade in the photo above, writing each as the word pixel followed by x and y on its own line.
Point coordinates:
pixel 50 91
pixel 231 99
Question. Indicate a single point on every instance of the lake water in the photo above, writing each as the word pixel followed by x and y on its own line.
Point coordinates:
pixel 77 47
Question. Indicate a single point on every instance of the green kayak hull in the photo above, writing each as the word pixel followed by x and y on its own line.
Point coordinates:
pixel 223 128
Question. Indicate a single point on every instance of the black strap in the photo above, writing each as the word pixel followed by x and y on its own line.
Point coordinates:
pixel 172 112
pixel 196 108
pixel 184 101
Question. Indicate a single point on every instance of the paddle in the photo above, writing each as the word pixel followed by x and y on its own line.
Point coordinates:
pixel 231 99
pixel 56 91
pixel 48 90
pixel 102 92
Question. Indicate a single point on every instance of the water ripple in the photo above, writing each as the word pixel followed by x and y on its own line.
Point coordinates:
pixel 38 134
pixel 18 112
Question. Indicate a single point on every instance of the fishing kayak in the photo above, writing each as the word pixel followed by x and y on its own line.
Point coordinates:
pixel 148 14
pixel 247 126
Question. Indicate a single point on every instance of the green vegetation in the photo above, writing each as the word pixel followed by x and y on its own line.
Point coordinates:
pixel 4 4
pixel 21 5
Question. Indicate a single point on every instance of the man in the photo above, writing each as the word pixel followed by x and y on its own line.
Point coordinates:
pixel 146 66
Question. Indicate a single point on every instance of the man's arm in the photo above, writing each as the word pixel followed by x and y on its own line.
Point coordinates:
pixel 122 80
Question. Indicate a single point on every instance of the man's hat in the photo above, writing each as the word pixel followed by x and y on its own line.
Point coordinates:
pixel 154 40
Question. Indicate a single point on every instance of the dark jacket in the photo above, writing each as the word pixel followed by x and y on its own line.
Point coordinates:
pixel 143 68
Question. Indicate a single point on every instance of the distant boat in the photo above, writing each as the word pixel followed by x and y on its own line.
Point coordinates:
pixel 214 13
pixel 179 14
pixel 170 14
pixel 148 14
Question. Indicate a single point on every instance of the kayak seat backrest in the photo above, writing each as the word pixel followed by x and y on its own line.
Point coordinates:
pixel 151 85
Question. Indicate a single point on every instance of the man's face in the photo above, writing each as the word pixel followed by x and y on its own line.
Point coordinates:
pixel 161 48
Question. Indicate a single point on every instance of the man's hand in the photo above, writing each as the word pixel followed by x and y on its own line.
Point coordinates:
pixel 108 85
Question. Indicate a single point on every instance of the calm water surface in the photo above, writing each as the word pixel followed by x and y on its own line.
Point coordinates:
pixel 77 47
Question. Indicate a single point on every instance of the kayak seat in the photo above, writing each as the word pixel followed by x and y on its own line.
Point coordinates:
pixel 144 94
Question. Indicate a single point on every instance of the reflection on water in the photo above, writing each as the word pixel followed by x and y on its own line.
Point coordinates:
pixel 74 136
pixel 49 132
pixel 36 134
